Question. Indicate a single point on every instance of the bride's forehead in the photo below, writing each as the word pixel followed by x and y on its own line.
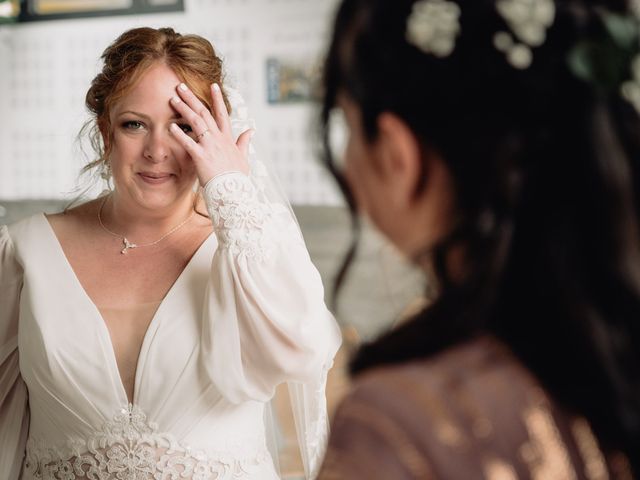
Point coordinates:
pixel 157 79
pixel 151 93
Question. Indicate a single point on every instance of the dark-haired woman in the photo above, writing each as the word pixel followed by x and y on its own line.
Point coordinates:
pixel 496 144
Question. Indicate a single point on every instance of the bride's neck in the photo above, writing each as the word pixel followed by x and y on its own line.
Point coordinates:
pixel 143 223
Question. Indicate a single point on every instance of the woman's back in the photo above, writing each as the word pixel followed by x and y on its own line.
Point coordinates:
pixel 471 412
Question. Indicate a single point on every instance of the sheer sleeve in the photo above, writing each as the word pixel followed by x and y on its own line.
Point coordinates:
pixel 266 318
pixel 14 417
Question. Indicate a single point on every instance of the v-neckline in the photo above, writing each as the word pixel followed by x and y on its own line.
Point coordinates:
pixel 102 325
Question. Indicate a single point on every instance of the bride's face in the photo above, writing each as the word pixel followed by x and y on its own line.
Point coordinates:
pixel 150 169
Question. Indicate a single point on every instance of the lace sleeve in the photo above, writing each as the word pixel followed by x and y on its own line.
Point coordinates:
pixel 267 321
pixel 244 224
pixel 265 318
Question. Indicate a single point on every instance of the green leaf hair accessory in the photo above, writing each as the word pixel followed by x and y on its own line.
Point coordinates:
pixel 606 62
pixel 630 89
pixel 433 26
pixel 529 21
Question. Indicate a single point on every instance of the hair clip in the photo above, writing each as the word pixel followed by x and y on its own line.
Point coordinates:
pixel 529 21
pixel 433 26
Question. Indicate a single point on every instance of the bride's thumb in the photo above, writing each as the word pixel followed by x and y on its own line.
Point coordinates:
pixel 244 140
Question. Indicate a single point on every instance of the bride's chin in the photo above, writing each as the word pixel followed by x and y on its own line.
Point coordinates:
pixel 154 202
pixel 154 198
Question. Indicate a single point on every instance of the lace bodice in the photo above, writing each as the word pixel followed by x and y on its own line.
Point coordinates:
pixel 129 447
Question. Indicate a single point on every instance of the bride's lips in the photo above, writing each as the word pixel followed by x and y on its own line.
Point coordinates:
pixel 155 178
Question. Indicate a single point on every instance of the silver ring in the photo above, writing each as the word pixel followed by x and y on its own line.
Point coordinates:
pixel 202 135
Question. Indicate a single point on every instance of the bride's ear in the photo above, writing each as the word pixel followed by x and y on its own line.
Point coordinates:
pixel 398 158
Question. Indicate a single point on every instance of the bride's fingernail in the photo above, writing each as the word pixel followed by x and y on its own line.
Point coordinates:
pixel 216 87
pixel 183 87
pixel 175 100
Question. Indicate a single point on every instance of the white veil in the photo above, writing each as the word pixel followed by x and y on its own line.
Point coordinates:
pixel 308 400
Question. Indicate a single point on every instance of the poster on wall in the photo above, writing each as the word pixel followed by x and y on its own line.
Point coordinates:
pixel 292 80
pixel 33 10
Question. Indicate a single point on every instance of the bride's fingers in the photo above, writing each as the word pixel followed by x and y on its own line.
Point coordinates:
pixel 189 144
pixel 197 107
pixel 195 121
pixel 220 113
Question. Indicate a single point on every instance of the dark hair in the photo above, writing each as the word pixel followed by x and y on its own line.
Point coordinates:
pixel 545 165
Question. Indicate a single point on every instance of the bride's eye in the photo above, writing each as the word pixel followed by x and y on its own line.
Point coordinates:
pixel 132 125
pixel 185 128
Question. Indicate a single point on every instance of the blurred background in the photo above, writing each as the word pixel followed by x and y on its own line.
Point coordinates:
pixel 272 49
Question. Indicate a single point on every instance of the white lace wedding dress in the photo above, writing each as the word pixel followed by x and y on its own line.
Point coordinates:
pixel 246 314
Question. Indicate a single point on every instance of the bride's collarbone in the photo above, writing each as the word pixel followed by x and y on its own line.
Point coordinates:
pixel 142 275
pixel 135 277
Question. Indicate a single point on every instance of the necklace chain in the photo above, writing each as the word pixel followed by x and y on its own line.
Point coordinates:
pixel 127 245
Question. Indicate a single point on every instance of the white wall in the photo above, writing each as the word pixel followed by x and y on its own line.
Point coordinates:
pixel 46 68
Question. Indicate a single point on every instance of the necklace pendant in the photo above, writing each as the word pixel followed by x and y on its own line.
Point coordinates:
pixel 127 246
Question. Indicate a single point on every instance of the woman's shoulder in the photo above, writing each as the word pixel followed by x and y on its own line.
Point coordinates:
pixel 74 216
pixel 469 377
pixel 471 408
pixel 28 233
pixel 466 391
pixel 461 389
pixel 15 232
pixel 461 366
pixel 63 217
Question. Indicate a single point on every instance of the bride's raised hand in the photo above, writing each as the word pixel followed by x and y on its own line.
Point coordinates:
pixel 211 146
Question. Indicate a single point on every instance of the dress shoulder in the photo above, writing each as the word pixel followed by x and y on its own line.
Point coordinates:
pixel 10 269
pixel 28 236
pixel 14 416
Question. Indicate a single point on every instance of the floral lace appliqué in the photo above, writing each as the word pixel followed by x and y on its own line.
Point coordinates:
pixel 130 448
pixel 244 223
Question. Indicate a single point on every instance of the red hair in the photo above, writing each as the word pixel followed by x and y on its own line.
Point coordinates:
pixel 191 57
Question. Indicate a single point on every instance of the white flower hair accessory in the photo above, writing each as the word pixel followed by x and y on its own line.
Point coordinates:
pixel 529 21
pixel 433 26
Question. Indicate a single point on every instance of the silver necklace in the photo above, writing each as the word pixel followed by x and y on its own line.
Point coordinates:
pixel 127 245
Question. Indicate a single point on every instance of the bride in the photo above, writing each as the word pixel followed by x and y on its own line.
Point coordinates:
pixel 142 334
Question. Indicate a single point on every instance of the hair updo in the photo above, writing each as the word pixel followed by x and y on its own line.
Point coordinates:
pixel 191 57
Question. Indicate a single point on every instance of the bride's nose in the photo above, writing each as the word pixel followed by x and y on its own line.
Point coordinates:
pixel 157 145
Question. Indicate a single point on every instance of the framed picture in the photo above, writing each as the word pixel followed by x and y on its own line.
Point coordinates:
pixel 35 10
pixel 291 80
